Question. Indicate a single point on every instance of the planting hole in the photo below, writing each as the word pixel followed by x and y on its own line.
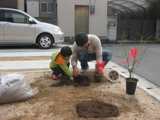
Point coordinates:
pixel 96 109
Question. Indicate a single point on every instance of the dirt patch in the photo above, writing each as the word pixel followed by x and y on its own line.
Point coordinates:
pixel 60 102
pixel 80 80
pixel 96 109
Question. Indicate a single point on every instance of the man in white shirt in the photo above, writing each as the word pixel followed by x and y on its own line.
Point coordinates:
pixel 87 48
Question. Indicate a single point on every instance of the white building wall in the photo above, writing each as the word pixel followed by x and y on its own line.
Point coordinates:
pixel 65 15
pixel 97 21
pixel 21 5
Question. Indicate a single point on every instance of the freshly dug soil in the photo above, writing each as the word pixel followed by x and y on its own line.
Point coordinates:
pixel 93 108
pixel 80 80
pixel 96 109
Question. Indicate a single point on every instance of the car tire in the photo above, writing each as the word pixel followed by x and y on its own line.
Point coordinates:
pixel 45 41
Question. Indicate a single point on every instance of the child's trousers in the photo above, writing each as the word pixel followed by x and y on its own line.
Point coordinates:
pixel 58 70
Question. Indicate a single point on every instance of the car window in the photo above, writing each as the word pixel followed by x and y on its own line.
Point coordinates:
pixel 16 17
pixel 1 15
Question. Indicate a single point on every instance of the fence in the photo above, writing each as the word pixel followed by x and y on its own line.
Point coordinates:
pixel 8 3
pixel 134 29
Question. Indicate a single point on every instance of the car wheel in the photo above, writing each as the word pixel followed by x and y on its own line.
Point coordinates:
pixel 45 41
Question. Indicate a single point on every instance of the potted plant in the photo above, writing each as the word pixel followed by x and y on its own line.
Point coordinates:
pixel 131 82
pixel 98 74
pixel 137 54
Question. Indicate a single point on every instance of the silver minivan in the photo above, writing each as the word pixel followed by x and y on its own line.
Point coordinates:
pixel 19 28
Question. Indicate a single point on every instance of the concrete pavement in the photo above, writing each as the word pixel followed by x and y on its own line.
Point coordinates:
pixel 35 64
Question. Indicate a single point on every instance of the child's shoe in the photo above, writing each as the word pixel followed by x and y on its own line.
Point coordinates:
pixel 54 77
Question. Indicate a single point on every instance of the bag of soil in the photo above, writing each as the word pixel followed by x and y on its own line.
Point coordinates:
pixel 14 87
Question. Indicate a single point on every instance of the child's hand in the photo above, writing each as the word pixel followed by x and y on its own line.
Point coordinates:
pixel 71 78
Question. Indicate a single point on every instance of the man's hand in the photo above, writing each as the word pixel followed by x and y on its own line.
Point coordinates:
pixel 102 71
pixel 75 71
pixel 71 78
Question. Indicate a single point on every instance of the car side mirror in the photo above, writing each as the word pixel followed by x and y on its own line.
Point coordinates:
pixel 31 20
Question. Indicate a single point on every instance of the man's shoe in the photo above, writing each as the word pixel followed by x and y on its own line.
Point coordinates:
pixel 84 70
pixel 54 77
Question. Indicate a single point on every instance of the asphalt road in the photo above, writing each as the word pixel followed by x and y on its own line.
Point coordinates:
pixel 149 67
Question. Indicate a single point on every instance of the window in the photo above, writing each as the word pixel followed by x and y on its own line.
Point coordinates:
pixel 1 15
pixel 15 17
pixel 47 7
